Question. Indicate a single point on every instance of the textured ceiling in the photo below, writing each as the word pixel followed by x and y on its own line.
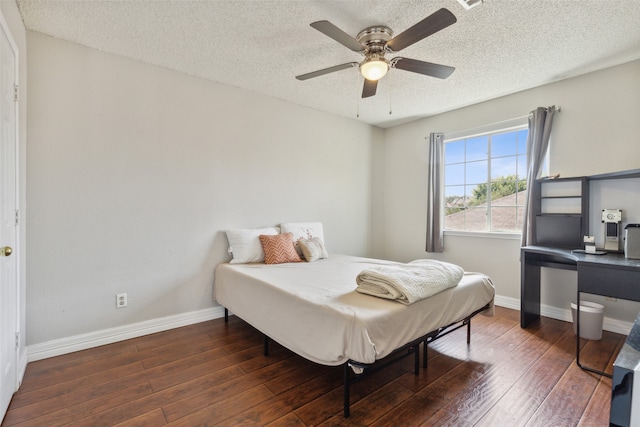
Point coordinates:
pixel 499 47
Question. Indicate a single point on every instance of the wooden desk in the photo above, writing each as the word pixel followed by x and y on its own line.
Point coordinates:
pixel 610 275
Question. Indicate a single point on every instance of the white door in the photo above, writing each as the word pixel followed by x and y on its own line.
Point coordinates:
pixel 8 222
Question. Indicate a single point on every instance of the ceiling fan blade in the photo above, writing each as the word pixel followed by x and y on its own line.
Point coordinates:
pixel 369 88
pixel 326 71
pixel 431 24
pixel 330 30
pixel 422 67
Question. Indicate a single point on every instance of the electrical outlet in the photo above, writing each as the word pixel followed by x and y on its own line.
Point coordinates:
pixel 121 300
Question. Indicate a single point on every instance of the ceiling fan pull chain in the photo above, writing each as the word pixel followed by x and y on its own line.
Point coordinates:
pixel 357 73
pixel 390 93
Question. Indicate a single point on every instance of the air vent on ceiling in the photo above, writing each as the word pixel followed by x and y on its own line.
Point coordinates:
pixel 468 4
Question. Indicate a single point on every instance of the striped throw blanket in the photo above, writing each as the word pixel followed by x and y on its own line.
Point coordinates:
pixel 408 283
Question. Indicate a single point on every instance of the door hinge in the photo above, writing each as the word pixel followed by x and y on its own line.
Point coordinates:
pixel 17 340
pixel 16 96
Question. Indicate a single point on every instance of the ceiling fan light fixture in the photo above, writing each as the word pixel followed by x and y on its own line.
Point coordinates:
pixel 374 68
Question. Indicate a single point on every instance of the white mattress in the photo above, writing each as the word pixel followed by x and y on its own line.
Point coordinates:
pixel 313 309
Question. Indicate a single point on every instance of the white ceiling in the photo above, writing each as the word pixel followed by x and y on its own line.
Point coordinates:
pixel 499 47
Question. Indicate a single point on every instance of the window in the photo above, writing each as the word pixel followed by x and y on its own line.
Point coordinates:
pixel 485 181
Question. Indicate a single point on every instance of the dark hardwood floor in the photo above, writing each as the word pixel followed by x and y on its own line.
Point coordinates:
pixel 214 373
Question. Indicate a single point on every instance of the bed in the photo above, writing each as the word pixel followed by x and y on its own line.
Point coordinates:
pixel 313 309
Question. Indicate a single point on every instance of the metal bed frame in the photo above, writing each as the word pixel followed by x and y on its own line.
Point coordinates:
pixel 408 349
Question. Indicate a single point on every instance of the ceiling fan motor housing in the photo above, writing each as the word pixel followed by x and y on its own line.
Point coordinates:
pixel 375 37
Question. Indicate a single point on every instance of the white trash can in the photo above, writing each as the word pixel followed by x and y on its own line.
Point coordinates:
pixel 591 319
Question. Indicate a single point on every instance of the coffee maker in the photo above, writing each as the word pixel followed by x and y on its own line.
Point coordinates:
pixel 612 220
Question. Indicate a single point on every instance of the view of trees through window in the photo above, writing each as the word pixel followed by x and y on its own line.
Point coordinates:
pixel 485 181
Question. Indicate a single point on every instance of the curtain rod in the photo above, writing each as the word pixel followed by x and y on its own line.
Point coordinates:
pixel 491 125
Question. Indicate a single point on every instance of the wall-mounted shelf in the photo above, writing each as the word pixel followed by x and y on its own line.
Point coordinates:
pixel 561 208
pixel 632 173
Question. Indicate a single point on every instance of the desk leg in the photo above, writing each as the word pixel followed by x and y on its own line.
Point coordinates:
pixel 581 366
pixel 529 290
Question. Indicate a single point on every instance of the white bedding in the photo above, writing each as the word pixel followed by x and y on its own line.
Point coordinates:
pixel 313 309
pixel 408 283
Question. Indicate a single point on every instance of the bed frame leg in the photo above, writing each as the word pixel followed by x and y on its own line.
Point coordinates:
pixel 424 356
pixel 346 386
pixel 469 332
pixel 226 315
pixel 266 345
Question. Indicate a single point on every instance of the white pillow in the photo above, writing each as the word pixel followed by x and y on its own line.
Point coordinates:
pixel 245 244
pixel 312 249
pixel 306 231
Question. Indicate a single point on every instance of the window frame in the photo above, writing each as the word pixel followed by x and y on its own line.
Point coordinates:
pixel 512 125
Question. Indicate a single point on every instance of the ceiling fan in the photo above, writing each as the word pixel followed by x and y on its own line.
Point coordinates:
pixel 374 42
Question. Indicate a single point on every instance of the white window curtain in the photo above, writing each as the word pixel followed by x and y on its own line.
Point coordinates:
pixel 540 121
pixel 435 188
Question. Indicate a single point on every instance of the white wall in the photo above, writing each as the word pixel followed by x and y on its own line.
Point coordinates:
pixel 596 132
pixel 135 172
pixel 14 21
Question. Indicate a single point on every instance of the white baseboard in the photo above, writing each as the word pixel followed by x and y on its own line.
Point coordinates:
pixel 507 302
pixel 120 333
pixel 609 324
pixel 22 366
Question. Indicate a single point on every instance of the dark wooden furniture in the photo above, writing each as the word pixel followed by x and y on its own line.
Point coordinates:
pixel 561 208
pixel 610 275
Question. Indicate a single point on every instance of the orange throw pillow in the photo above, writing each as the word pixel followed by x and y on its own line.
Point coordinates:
pixel 279 248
